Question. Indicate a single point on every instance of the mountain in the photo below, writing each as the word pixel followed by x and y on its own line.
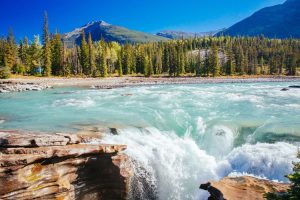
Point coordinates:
pixel 108 32
pixel 279 21
pixel 180 34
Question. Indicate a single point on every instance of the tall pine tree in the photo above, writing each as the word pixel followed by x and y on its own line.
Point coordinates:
pixel 84 55
pixel 46 48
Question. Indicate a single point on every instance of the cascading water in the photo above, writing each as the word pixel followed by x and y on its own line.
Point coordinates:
pixel 172 167
pixel 178 136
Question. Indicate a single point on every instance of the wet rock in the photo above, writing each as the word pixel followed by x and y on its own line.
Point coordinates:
pixel 284 89
pixel 127 95
pixel 295 86
pixel 114 131
pixel 61 166
pixel 215 194
pixel 246 188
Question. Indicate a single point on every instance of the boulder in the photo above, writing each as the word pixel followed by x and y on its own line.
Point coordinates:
pixel 245 187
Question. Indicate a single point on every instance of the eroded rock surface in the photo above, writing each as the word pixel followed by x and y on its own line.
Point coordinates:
pixel 246 188
pixel 61 166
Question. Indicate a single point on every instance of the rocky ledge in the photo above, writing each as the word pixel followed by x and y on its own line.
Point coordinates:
pixel 11 86
pixel 61 166
pixel 245 187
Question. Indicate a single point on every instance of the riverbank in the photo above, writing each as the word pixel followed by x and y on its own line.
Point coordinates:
pixel 115 82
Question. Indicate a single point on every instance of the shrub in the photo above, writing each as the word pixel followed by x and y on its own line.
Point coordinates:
pixel 4 72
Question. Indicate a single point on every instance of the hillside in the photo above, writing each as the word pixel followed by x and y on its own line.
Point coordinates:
pixel 181 34
pixel 108 32
pixel 279 21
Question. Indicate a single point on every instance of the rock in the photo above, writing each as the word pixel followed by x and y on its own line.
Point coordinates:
pixel 295 86
pixel 10 86
pixel 284 89
pixel 215 194
pixel 113 131
pixel 246 188
pixel 61 166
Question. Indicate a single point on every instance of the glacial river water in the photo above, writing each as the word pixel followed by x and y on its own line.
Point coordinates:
pixel 178 135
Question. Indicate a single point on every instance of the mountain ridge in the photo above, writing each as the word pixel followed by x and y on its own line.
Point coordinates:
pixel 101 29
pixel 171 34
pixel 278 21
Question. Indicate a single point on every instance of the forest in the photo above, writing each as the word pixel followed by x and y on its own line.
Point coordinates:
pixel 203 56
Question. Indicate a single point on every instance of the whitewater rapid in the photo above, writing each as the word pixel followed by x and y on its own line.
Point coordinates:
pixel 178 136
pixel 170 167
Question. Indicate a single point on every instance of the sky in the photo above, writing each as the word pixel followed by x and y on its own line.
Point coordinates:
pixel 25 17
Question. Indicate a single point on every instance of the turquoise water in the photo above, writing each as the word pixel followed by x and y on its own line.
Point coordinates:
pixel 178 135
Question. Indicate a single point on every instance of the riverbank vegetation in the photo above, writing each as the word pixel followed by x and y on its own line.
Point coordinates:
pixel 206 56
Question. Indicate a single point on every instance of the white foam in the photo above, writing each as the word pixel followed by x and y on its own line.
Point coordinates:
pixel 82 103
pixel 201 126
pixel 218 140
pixel 242 97
pixel 272 161
pixel 177 165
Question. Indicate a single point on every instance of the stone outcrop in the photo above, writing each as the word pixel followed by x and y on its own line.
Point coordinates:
pixel 61 166
pixel 10 86
pixel 246 188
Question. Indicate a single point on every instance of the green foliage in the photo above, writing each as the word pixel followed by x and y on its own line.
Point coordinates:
pixel 57 55
pixel 207 56
pixel 10 51
pixel 34 56
pixel 4 72
pixel 214 61
pixel 119 65
pixel 19 68
pixel 46 48
pixel 84 55
pixel 91 55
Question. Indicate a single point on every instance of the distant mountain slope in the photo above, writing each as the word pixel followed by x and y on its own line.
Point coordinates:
pixel 101 29
pixel 280 21
pixel 180 34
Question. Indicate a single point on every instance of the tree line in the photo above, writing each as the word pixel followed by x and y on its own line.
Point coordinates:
pixel 206 56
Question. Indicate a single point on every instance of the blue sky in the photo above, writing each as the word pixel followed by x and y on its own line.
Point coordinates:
pixel 25 17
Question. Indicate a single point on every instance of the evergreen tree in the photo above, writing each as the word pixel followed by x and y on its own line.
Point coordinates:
pixel 230 64
pixel 199 64
pixel 46 48
pixel 103 66
pixel 57 62
pixel 34 56
pixel 291 64
pixel 206 64
pixel 119 64
pixel 84 55
pixel 2 51
pixel 214 61
pixel 10 51
pixel 25 55
pixel 92 64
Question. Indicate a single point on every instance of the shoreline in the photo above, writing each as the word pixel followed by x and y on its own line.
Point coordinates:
pixel 117 82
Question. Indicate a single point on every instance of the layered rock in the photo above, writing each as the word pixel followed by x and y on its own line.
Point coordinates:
pixel 61 166
pixel 246 188
pixel 10 86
